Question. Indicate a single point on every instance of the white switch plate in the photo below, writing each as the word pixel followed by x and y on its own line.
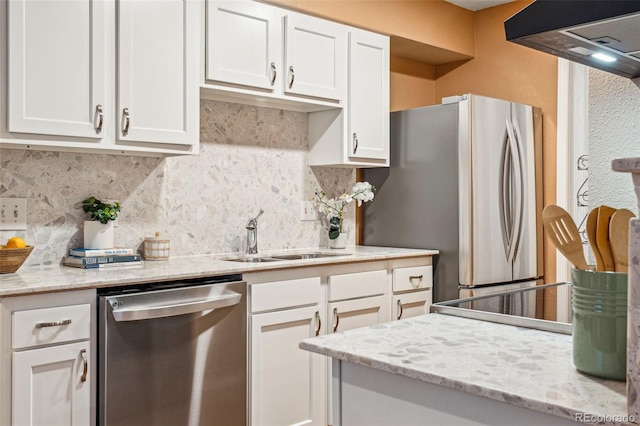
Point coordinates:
pixel 307 211
pixel 13 214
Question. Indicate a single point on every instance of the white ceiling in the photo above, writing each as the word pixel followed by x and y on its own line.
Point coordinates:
pixel 478 4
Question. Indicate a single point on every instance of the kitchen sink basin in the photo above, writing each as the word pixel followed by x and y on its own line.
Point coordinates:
pixel 308 255
pixel 253 259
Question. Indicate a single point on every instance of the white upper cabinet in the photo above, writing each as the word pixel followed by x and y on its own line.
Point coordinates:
pixel 315 57
pixel 264 55
pixel 368 96
pixel 357 136
pixel 56 67
pixel 101 76
pixel 158 75
pixel 243 44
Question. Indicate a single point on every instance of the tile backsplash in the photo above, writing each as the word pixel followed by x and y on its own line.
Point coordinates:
pixel 250 158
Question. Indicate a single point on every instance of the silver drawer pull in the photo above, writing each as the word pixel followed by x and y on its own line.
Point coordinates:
pixel 53 324
pixel 85 365
pixel 336 320
pixel 274 73
pixel 399 309
pixel 99 116
pixel 318 322
pixel 126 121
pixel 293 77
pixel 415 277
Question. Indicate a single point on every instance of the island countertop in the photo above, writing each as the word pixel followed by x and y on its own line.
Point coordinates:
pixel 38 279
pixel 516 365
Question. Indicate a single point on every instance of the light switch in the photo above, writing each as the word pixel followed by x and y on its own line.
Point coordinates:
pixel 308 211
pixel 13 214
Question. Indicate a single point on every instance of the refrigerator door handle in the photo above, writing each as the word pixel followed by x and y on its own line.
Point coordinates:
pixel 516 161
pixel 505 197
pixel 523 188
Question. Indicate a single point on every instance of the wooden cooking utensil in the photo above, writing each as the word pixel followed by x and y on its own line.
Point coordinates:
pixel 564 234
pixel 619 238
pixel 602 236
pixel 592 222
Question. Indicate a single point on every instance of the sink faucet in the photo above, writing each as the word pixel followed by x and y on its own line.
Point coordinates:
pixel 252 234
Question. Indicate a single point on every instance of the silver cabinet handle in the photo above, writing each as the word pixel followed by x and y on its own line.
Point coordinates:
pixel 355 143
pixel 274 73
pixel 336 319
pixel 399 309
pixel 53 323
pixel 318 322
pixel 415 277
pixel 126 121
pixel 85 368
pixel 293 77
pixel 99 117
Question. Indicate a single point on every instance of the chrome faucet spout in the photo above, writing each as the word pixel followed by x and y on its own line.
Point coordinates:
pixel 252 234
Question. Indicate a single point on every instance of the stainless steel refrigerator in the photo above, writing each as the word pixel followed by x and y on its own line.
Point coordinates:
pixel 465 179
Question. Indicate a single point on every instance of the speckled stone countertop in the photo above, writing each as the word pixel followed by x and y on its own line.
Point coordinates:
pixel 39 279
pixel 520 366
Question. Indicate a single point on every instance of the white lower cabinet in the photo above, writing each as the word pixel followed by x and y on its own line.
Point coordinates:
pixel 288 384
pixel 51 386
pixel 350 314
pixel 411 304
pixel 47 366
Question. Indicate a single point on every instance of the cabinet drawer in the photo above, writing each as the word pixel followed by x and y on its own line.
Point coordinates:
pixel 285 294
pixel 411 304
pixel 359 284
pixel 36 327
pixel 419 277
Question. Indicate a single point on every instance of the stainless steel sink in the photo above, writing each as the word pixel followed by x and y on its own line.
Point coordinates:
pixel 253 259
pixel 308 255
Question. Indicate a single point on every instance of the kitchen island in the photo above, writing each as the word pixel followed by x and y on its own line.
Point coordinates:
pixel 444 370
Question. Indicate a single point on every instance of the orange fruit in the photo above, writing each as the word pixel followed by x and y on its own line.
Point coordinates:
pixel 16 242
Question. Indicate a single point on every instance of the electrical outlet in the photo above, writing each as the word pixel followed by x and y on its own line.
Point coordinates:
pixel 13 214
pixel 307 211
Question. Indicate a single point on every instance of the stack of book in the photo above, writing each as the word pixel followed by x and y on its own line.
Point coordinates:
pixel 101 258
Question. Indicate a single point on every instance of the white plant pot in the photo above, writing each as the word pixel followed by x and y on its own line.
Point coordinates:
pixel 98 235
pixel 340 242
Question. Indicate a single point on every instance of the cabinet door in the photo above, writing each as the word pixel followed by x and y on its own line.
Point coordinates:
pixel 315 57
pixel 409 305
pixel 48 387
pixel 158 71
pixel 56 67
pixel 244 44
pixel 368 135
pixel 288 385
pixel 350 314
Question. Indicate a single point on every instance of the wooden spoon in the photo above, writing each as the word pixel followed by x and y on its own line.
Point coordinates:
pixel 564 234
pixel 602 236
pixel 592 222
pixel 619 238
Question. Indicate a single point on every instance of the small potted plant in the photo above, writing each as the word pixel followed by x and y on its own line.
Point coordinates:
pixel 335 209
pixel 98 230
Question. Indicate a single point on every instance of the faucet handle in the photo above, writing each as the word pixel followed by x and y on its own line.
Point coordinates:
pixel 253 223
pixel 259 214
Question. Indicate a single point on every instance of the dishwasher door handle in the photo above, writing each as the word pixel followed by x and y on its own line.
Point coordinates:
pixel 142 312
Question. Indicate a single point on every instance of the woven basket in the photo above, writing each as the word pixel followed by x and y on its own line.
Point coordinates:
pixel 12 258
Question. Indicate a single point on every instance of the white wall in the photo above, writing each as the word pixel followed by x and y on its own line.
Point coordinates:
pixel 614 132
pixel 251 158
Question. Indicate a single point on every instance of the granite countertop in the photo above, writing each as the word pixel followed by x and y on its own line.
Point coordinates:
pixel 39 279
pixel 520 366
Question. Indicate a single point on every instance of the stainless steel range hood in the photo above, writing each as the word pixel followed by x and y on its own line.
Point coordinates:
pixel 602 34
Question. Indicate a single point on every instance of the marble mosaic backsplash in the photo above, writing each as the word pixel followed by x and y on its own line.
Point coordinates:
pixel 251 158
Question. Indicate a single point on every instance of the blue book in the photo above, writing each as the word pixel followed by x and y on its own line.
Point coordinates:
pixel 95 260
pixel 133 263
pixel 116 251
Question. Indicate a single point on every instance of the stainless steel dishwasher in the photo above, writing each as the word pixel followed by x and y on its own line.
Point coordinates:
pixel 173 353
